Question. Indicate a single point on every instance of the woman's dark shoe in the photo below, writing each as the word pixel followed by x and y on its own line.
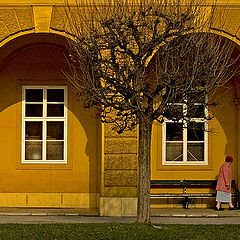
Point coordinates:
pixel 232 208
pixel 219 209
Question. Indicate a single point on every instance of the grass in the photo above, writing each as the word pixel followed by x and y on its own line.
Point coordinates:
pixel 117 231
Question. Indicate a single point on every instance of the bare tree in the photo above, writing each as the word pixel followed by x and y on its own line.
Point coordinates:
pixel 133 60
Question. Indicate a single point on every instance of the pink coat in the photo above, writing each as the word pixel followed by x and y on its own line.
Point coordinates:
pixel 224 178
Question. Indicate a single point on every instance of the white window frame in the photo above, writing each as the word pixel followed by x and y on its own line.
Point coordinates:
pixel 164 141
pixel 44 119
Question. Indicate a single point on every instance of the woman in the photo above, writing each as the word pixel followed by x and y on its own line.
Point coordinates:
pixel 224 185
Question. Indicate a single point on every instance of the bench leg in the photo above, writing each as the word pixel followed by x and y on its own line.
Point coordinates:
pixel 186 202
pixel 237 199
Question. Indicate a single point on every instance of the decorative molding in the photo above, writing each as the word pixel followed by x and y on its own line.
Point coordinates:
pixel 42 18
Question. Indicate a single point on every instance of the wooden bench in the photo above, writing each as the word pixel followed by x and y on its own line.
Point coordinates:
pixel 188 184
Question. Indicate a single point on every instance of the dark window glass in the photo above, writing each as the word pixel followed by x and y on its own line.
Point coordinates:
pixel 55 150
pixel 174 112
pixel 33 150
pixel 55 110
pixel 55 95
pixel 195 152
pixel 197 97
pixel 55 130
pixel 33 131
pixel 34 110
pixel 173 96
pixel 174 152
pixel 34 95
pixel 174 132
pixel 195 131
pixel 196 111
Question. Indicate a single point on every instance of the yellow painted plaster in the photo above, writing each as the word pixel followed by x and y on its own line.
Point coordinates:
pixel 42 18
pixel 118 206
pixel 79 179
pixel 222 141
pixel 45 2
pixel 75 184
pixel 42 14
pixel 54 200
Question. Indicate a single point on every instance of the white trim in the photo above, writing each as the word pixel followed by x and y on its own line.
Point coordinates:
pixel 44 119
pixel 185 142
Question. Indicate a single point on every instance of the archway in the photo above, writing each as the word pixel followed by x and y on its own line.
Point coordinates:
pixel 37 62
pixel 222 139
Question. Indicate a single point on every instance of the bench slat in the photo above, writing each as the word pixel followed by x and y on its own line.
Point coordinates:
pixel 185 183
pixel 184 195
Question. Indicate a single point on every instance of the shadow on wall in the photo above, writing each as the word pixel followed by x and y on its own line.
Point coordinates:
pixel 225 115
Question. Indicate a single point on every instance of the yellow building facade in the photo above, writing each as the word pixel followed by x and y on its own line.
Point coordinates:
pixel 73 160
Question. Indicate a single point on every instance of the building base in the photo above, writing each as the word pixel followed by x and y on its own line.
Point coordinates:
pixel 118 206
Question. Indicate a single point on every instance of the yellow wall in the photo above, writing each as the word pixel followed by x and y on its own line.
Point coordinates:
pixel 42 64
pixel 78 182
pixel 222 141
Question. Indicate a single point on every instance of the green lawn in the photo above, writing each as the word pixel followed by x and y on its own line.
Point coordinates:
pixel 118 231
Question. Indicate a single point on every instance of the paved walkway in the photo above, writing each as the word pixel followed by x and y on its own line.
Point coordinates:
pixel 196 213
pixel 158 216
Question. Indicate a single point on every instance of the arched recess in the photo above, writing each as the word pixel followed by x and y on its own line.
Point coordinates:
pixel 38 60
pixel 223 139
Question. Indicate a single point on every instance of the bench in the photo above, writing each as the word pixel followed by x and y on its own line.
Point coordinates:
pixel 188 184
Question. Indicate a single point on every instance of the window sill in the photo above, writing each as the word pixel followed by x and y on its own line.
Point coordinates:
pixel 43 162
pixel 186 164
pixel 185 167
pixel 44 166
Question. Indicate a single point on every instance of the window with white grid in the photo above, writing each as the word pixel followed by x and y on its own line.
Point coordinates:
pixel 44 124
pixel 186 142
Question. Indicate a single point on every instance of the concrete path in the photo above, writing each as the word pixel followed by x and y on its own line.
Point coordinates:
pixel 158 216
pixel 85 219
pixel 194 220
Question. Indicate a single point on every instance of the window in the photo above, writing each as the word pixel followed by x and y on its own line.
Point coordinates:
pixel 185 142
pixel 44 124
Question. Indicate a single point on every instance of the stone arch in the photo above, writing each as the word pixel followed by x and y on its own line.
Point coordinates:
pixel 21 41
pixel 19 20
pixel 38 59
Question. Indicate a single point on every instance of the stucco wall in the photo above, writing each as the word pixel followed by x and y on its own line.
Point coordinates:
pixel 222 141
pixel 42 64
pixel 118 177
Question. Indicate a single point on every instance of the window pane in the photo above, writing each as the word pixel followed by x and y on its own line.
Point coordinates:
pixel 175 96
pixel 195 131
pixel 34 110
pixel 195 152
pixel 196 111
pixel 55 110
pixel 33 150
pixel 55 150
pixel 55 130
pixel 174 132
pixel 55 95
pixel 174 112
pixel 174 152
pixel 197 97
pixel 33 130
pixel 34 95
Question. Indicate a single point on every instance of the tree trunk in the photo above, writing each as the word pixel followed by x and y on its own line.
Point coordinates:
pixel 144 160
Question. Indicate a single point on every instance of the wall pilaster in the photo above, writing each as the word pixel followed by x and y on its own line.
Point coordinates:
pixel 119 173
pixel 237 103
